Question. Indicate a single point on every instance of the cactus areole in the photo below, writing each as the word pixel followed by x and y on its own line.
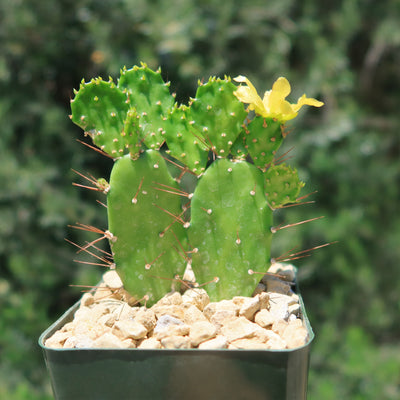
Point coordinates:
pixel 191 184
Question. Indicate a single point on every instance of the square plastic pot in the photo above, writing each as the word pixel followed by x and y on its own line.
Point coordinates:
pixel 143 374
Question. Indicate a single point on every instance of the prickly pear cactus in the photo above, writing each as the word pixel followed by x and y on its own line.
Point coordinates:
pixel 147 232
pixel 220 220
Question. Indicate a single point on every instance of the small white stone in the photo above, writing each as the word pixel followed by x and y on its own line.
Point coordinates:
pixel 171 310
pixel 279 326
pixel 197 297
pixel 176 342
pixel 78 342
pixel 57 340
pixel 108 340
pixel 83 314
pixel 129 344
pixel 129 329
pixel 248 344
pixel 193 314
pixel 223 305
pixel 150 343
pixel 221 317
pixel 275 342
pixel 102 292
pixel 264 300
pixel 249 307
pixel 147 318
pixel 172 330
pixel 219 342
pixel 201 331
pixel 279 310
pixel 112 279
pixel 264 318
pixel 294 309
pixel 239 328
pixel 166 321
pixel 87 300
pixel 107 320
pixel 295 334
pixel 173 298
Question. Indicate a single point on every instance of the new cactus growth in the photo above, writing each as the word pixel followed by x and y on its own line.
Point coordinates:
pixel 222 226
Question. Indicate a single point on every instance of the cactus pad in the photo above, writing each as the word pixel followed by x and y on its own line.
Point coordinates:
pixel 230 228
pixel 147 238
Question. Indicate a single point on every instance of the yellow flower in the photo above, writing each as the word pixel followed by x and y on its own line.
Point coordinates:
pixel 273 105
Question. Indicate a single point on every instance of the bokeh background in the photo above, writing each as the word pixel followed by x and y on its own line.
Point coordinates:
pixel 344 52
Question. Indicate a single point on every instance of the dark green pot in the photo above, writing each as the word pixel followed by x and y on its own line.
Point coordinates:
pixel 141 374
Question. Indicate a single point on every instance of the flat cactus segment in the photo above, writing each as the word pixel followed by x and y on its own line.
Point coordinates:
pixel 217 114
pixel 262 140
pixel 230 228
pixel 151 98
pixel 183 142
pixel 100 109
pixel 282 185
pixel 147 238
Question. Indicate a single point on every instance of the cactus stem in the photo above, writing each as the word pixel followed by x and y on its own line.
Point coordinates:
pixel 278 228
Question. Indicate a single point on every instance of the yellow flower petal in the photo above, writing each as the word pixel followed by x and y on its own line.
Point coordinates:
pixel 307 101
pixel 249 95
pixel 273 104
pixel 282 87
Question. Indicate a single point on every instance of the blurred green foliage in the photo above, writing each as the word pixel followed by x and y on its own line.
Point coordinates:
pixel 344 52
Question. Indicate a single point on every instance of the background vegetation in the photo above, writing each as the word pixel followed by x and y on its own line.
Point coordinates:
pixel 345 52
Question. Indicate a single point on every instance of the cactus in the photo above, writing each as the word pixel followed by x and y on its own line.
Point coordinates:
pixel 222 225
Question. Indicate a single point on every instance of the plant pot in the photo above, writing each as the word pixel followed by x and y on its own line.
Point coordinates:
pixel 176 374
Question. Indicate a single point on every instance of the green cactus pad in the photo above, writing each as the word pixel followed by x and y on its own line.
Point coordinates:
pixel 183 144
pixel 146 253
pixel 100 109
pixel 262 140
pixel 217 115
pixel 282 185
pixel 151 98
pixel 230 228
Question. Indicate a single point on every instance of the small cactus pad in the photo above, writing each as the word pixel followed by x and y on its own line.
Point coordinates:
pixel 151 98
pixel 282 185
pixel 230 228
pixel 217 115
pixel 262 140
pixel 100 109
pixel 146 235
pixel 183 144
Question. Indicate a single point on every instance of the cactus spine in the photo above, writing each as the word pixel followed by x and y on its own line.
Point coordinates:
pixel 225 222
